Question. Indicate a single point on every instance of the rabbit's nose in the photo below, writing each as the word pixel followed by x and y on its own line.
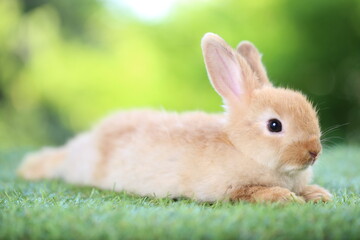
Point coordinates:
pixel 313 154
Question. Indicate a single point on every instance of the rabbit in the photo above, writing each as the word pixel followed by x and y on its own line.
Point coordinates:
pixel 261 149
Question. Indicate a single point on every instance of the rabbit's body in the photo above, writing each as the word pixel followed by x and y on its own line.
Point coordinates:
pixel 203 156
pixel 160 154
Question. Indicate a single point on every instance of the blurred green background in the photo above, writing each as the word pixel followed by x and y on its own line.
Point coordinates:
pixel 64 64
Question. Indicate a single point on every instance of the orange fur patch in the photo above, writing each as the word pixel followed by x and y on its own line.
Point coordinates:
pixel 260 193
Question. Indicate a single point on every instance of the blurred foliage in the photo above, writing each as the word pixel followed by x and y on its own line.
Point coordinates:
pixel 64 65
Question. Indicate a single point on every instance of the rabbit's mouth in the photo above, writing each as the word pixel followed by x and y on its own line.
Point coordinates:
pixel 294 169
pixel 301 166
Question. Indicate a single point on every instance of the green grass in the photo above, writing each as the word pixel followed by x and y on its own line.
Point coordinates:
pixel 55 210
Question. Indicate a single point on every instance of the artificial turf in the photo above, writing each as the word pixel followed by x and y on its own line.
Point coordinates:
pixel 55 210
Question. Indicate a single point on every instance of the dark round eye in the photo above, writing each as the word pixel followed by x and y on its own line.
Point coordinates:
pixel 274 125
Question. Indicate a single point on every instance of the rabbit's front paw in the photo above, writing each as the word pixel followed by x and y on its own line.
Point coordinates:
pixel 258 193
pixel 277 194
pixel 316 193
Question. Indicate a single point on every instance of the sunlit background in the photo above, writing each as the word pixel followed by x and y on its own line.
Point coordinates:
pixel 64 64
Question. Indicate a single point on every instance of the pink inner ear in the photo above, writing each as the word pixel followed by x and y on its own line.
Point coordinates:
pixel 229 74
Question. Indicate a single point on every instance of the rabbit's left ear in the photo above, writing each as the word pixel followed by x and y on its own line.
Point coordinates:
pixel 228 76
pixel 248 51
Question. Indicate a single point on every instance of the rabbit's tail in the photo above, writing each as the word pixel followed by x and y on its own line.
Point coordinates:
pixel 43 164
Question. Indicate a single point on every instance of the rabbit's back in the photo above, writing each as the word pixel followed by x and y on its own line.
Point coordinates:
pixel 154 127
pixel 150 152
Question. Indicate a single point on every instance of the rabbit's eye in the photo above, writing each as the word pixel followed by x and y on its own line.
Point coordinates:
pixel 274 125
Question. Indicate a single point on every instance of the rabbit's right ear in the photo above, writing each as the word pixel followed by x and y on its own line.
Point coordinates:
pixel 248 51
pixel 226 73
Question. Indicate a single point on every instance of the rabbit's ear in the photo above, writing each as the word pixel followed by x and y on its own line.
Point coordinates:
pixel 248 51
pixel 223 67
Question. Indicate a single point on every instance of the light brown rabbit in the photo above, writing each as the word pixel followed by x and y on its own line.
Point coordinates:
pixel 261 149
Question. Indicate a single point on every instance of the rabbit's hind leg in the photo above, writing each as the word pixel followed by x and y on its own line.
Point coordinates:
pixel 43 164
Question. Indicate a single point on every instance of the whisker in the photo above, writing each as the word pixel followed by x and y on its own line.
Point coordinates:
pixel 328 145
pixel 327 141
pixel 332 129
pixel 332 138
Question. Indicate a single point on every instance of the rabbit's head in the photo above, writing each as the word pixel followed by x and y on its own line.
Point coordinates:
pixel 276 127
